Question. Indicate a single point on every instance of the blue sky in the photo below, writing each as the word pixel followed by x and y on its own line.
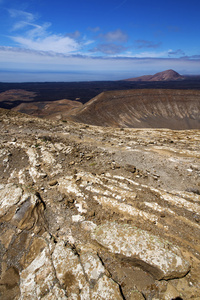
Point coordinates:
pixel 76 40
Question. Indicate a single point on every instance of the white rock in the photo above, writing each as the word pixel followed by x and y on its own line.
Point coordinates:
pixel 106 289
pixel 10 195
pixel 92 265
pixel 38 278
pixel 152 253
pixel 69 270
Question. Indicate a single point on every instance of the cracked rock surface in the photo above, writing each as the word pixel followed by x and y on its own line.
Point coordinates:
pixel 98 213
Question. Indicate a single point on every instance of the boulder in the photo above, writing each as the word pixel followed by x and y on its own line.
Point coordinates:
pixel 153 254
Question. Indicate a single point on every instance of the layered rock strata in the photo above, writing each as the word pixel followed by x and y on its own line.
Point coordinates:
pixel 98 213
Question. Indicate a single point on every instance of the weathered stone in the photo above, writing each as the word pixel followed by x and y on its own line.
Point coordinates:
pixel 91 213
pixel 37 246
pixel 21 209
pixel 38 279
pixel 92 266
pixel 53 182
pixel 29 212
pixel 68 269
pixel 17 247
pixel 6 236
pixel 10 195
pixel 197 218
pixel 105 289
pixel 9 284
pixel 55 294
pixel 88 156
pixel 154 254
pixel 136 295
pixel 171 293
pixel 130 168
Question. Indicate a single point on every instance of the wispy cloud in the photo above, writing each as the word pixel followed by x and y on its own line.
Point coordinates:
pixel 37 31
pixel 110 49
pixel 74 35
pixel 178 52
pixel 15 13
pixel 191 57
pixel 22 18
pixel 114 36
pixel 120 4
pixel 148 54
pixel 94 29
pixel 147 44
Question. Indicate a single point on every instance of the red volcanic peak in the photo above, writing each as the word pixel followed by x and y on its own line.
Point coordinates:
pixel 168 75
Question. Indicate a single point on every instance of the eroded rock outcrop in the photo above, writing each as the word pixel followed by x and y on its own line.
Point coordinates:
pixel 97 213
pixel 21 217
pixel 158 256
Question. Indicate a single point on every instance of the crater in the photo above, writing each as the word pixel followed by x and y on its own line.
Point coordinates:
pixel 147 108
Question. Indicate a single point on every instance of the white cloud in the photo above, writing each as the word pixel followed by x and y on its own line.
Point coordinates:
pixel 147 44
pixel 37 37
pixel 55 43
pixel 30 34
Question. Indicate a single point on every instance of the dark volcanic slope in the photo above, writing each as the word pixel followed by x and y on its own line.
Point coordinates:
pixel 174 109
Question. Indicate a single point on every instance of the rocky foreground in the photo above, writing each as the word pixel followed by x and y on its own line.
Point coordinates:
pixel 98 213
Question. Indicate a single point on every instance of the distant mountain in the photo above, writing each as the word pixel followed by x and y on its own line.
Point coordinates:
pixel 168 75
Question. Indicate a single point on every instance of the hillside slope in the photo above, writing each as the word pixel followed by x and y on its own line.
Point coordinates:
pixel 153 108
pixel 57 109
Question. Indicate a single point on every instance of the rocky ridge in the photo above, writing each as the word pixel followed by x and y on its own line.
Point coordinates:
pixel 98 213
